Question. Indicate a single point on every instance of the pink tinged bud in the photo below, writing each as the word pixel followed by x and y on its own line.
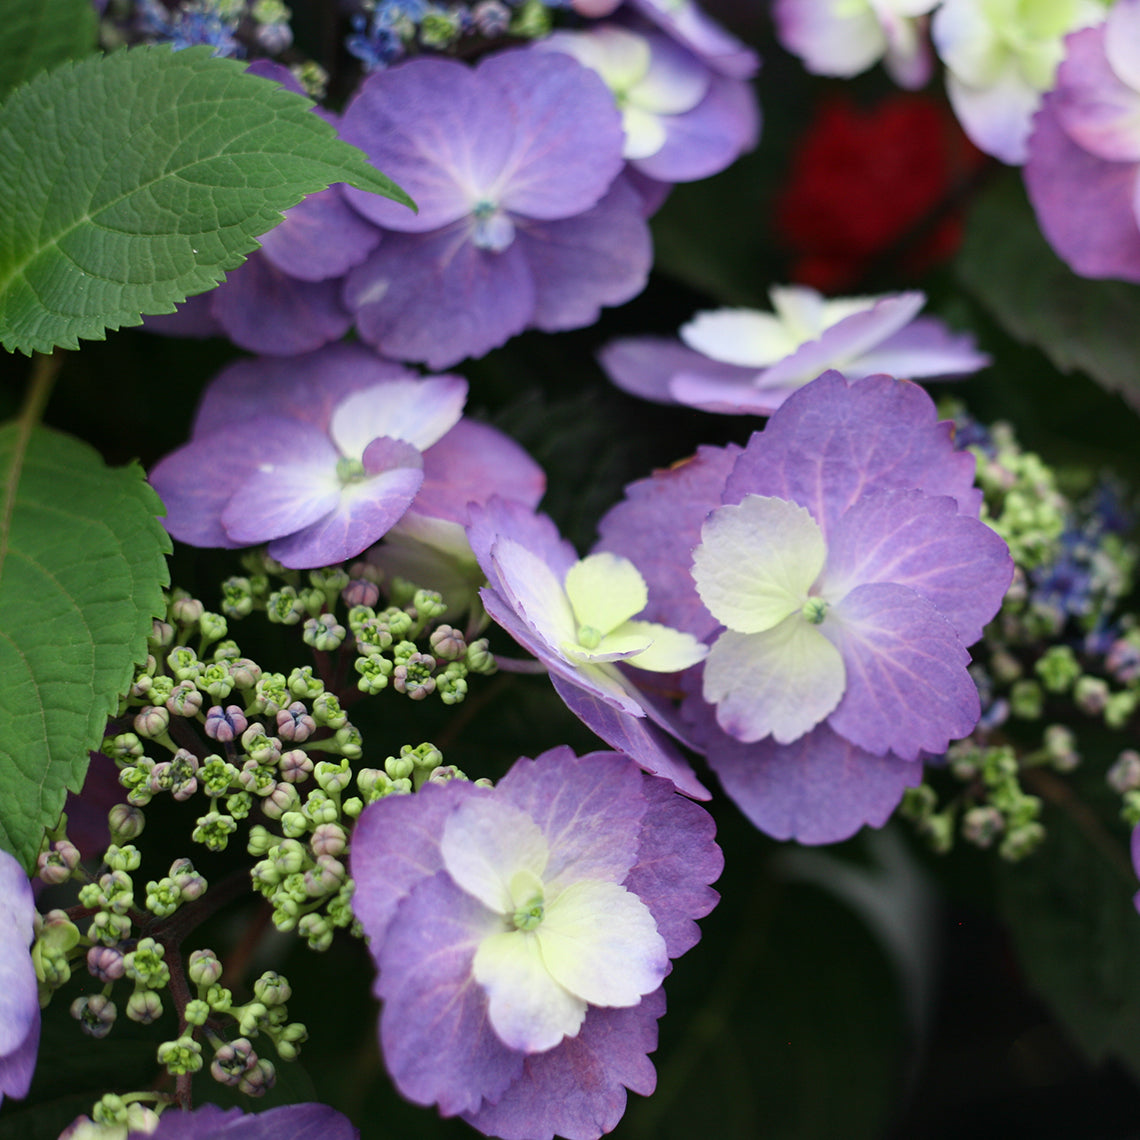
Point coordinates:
pixel 225 725
pixel 152 721
pixel 295 723
pixel 185 700
pixel 105 963
pixel 360 592
pixel 328 839
pixel 295 766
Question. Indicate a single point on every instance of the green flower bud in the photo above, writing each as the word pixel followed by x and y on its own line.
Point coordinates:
pixel 163 898
pixel 1119 709
pixel 319 808
pixel 244 673
pixel 181 1056
pixel 1021 841
pixel 212 627
pixel 374 671
pixel 237 598
pixel 270 693
pixel 183 664
pixel 109 929
pixel 214 830
pixel 327 711
pixel 216 681
pixel 95 1013
pixel 111 1109
pixel 1026 700
pixel 122 748
pixel 272 989
pixel 145 965
pixel 303 685
pixel 227 650
pixel 349 742
pixel 287 1042
pixel 352 807
pixel 185 700
pixel 216 776
pixel 316 930
pixel 451 684
pixel 283 798
pixel 197 1012
pixel 1058 668
pixel 479 658
pixel 218 998
pixel 204 969
pixel 333 777
pixel 283 607
pixel 161 636
pixel 144 1006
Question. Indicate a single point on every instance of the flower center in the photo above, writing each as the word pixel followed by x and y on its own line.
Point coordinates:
pixel 492 229
pixel 814 610
pixel 530 914
pixel 350 470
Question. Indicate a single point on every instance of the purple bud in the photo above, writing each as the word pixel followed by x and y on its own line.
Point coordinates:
pixel 295 766
pixel 55 866
pixel 185 700
pixel 105 963
pixel 95 1014
pixel 152 721
pixel 186 610
pixel 232 1060
pixel 295 723
pixel 360 592
pixel 328 839
pixel 448 643
pixel 225 725
pixel 245 673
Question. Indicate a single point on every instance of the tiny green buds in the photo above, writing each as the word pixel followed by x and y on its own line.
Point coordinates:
pixel 181 1056
pixel 95 1013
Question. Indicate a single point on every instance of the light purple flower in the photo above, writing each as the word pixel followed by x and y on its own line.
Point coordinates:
pixel 1084 153
pixel 522 933
pixel 19 1003
pixel 687 23
pixel 737 361
pixel 522 220
pixel 847 40
pixel 579 618
pixel 320 455
pixel 682 120
pixel 841 558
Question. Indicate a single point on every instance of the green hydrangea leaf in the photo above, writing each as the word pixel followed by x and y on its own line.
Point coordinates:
pixel 134 180
pixel 1078 323
pixel 82 569
pixel 35 35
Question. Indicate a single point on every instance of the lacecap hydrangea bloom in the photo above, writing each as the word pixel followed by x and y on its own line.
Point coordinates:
pixel 19 1001
pixel 289 1122
pixel 522 934
pixel 738 361
pixel 579 618
pixel 320 455
pixel 1083 172
pixel 839 570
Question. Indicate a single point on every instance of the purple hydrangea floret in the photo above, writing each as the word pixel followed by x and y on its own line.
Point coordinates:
pixel 737 361
pixel 579 618
pixel 522 219
pixel 522 933
pixel 19 1001
pixel 320 455
pixel 1083 171
pixel 289 1122
pixel 843 572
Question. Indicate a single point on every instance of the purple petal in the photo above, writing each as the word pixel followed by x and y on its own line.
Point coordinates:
pixel 677 859
pixel 305 388
pixel 567 144
pixel 651 192
pixel 577 1089
pixel 322 236
pixel 832 442
pixel 688 24
pixel 658 525
pixel 728 397
pixel 417 412
pixel 599 257
pixel 19 1004
pixel 1084 204
pixel 590 809
pixel 819 789
pixel 435 128
pixel 841 345
pixel 470 464
pixel 924 348
pixel 908 690
pixel 365 512
pixel 958 564
pixel 291 491
pixel 509 519
pixel 437 298
pixel 197 481
pixel 395 846
pixel 645 366
pixel 437 1040
pixel 638 737
pixel 289 1122
pixel 1095 109
pixel 710 137
pixel 193 318
pixel 1122 41
pixel 264 310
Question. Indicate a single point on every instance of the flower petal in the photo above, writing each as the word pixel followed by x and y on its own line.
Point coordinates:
pixel 781 682
pixel 757 561
pixel 418 411
pixel 669 650
pixel 605 591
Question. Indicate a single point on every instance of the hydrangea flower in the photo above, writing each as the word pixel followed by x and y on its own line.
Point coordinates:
pixel 843 572
pixel 1084 153
pixel 745 361
pixel 1000 59
pixel 320 455
pixel 682 120
pixel 847 39
pixel 19 1001
pixel 522 933
pixel 578 617
pixel 687 23
pixel 522 220
pixel 289 1122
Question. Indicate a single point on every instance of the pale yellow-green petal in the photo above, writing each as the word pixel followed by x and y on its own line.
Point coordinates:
pixel 605 590
pixel 669 650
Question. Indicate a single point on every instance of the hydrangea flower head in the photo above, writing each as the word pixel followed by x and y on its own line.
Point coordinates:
pixel 322 454
pixel 845 40
pixel 19 1001
pixel 844 571
pixel 1083 172
pixel 578 617
pixel 522 934
pixel 512 165
pixel 1000 59
pixel 746 361
pixel 209 1122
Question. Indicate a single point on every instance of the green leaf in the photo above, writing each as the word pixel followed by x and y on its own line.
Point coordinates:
pixel 81 577
pixel 134 180
pixel 35 35
pixel 1078 323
